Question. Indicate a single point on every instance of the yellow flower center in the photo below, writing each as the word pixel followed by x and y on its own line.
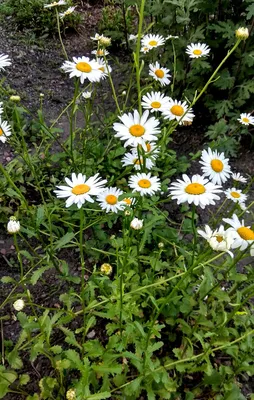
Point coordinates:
pixel 148 147
pixel 1 132
pixel 111 199
pixel 156 104
pixel 195 188
pixel 177 110
pixel 153 43
pixel 235 195
pixel 136 161
pixel 100 52
pixel 159 73
pixel 127 201
pixel 137 130
pixel 144 183
pixel 217 165
pixel 84 67
pixel 219 238
pixel 246 233
pixel 197 52
pixel 80 189
pixel 246 120
pixel 102 69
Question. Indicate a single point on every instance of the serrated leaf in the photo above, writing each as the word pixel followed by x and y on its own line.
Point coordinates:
pixel 225 81
pixel 38 273
pixel 250 10
pixel 7 279
pixel 64 240
pixel 24 379
pixel 39 215
pixel 107 369
pixel 56 349
pixel 74 357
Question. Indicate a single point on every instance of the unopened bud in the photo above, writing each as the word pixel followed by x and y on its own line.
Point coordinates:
pixel 106 269
pixel 15 98
pixel 242 33
pixel 19 304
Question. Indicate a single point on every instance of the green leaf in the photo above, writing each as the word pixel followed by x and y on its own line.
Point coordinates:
pixel 73 356
pixel 24 379
pixel 225 81
pixel 39 216
pixel 7 279
pixel 64 240
pixel 250 10
pixel 99 396
pixel 38 273
pixel 107 369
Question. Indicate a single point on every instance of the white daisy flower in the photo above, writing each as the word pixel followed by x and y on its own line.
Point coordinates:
pixel 155 101
pixel 197 190
pixel 159 73
pixel 152 41
pixel 243 235
pixel 108 200
pixel 83 68
pixel 96 37
pixel 219 240
pixel 215 166
pixel 145 49
pixel 136 224
pixel 5 131
pixel 242 33
pixel 239 178
pixel 145 184
pixel 128 201
pixel 133 159
pixel 243 207
pixel 178 110
pixel 100 52
pixel 80 189
pixel 151 150
pixel 246 119
pixel 236 195
pixel 137 129
pixel 5 61
pixel 172 37
pixel 67 12
pixel 104 68
pixel 196 50
pixel 13 225
pixel 1 107
pixel 55 4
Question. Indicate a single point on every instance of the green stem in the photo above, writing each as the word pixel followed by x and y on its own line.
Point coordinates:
pixel 174 67
pixel 82 262
pixel 59 33
pixel 8 178
pixel 137 53
pixel 194 233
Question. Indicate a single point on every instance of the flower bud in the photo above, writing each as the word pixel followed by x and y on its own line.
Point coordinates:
pixel 87 95
pixel 127 212
pixel 71 394
pixel 106 269
pixel 15 98
pixel 161 245
pixel 105 41
pixel 137 224
pixel 13 225
pixel 19 304
pixel 242 33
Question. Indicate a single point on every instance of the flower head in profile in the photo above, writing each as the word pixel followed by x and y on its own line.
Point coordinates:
pixel 215 166
pixel 152 41
pixel 1 108
pixel 196 50
pixel 137 129
pixel 55 4
pixel 197 190
pixel 67 12
pixel 246 119
pixel 219 240
pixel 132 38
pixel 5 61
pixel 80 189
pixel 172 37
pixel 100 52
pixel 5 130
pixel 243 235
pixel 155 101
pixel 159 73
pixel 145 49
pixel 137 161
pixel 104 67
pixel 178 110
pixel 236 195
pixel 13 225
pixel 87 95
pixel 242 33
pixel 145 184
pixel 239 178
pixel 108 200
pixel 83 68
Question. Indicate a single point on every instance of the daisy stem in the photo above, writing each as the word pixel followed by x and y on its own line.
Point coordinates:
pixel 218 212
pixel 82 262
pixel 137 53
pixel 19 256
pixel 194 233
pixel 72 124
pixel 8 178
pixel 60 36
pixel 112 87
pixel 174 66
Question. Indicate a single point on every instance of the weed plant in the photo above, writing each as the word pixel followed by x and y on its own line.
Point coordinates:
pixel 151 302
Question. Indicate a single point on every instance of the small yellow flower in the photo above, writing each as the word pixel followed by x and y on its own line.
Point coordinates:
pixel 71 394
pixel 106 269
pixel 242 33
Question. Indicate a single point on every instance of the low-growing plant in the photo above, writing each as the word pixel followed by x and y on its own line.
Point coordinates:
pixel 139 299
